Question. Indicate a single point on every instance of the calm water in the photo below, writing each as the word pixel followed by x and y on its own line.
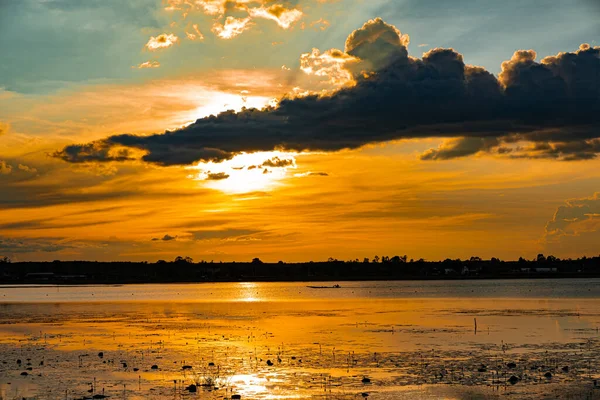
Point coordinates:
pixel 418 339
pixel 288 291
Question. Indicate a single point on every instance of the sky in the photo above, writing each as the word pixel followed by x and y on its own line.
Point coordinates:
pixel 299 130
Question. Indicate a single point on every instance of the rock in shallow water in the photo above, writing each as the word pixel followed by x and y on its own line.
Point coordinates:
pixel 192 389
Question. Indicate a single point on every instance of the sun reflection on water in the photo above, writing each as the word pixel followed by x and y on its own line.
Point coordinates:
pixel 249 292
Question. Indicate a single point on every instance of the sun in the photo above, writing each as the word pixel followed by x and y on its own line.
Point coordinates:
pixel 246 172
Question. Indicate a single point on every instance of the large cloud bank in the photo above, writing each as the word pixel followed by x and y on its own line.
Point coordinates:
pixel 546 109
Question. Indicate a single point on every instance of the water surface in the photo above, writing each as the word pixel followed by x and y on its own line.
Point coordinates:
pixel 413 339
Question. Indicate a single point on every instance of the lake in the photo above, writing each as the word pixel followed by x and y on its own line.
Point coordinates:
pixel 522 339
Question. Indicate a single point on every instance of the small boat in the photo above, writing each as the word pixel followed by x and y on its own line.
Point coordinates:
pixel 325 287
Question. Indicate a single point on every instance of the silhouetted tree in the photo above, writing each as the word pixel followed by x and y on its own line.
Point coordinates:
pixel 541 258
pixel 5 260
pixel 398 259
pixel 376 259
pixel 366 260
pixel 256 261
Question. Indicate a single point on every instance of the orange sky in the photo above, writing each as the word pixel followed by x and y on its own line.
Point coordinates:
pixel 382 197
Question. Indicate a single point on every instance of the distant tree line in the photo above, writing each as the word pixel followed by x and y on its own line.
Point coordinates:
pixel 184 269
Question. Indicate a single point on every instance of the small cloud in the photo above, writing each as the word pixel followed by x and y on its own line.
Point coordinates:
pixel 161 41
pixel 217 176
pixel 266 171
pixel 196 35
pixel 27 169
pixel 423 45
pixel 457 148
pixel 283 16
pixel 232 27
pixel 574 218
pixel 277 162
pixel 283 67
pixel 166 238
pixel 304 174
pixel 3 128
pixel 148 64
pixel 5 168
pixel 321 24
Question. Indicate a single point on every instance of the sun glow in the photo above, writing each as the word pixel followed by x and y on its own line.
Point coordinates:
pixel 246 172
pixel 222 101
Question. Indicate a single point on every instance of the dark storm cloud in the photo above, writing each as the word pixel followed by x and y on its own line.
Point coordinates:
pixel 553 103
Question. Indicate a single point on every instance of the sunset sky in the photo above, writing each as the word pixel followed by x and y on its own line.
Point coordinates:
pixel 299 130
